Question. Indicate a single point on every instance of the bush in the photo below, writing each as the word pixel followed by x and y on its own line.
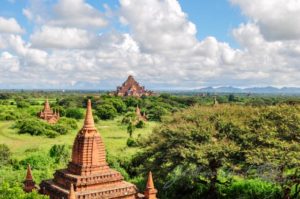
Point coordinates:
pixel 106 111
pixel 22 104
pixel 39 127
pixel 68 122
pixel 5 154
pixel 252 189
pixel 75 113
pixel 60 153
pixel 131 142
pixel 129 117
pixel 141 124
pixel 37 161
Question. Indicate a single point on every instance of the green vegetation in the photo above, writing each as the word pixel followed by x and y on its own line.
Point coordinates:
pixel 245 147
pixel 244 141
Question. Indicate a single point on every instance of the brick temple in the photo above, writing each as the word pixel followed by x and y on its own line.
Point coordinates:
pixel 88 175
pixel 48 114
pixel 132 88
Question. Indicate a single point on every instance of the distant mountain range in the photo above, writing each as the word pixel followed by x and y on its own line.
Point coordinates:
pixel 257 90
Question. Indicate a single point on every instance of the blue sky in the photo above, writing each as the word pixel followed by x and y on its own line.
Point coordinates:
pixel 213 18
pixel 166 44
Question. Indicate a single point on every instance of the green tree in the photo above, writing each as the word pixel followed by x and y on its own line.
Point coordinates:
pixel 106 111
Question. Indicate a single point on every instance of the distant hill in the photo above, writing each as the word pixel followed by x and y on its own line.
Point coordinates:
pixel 257 90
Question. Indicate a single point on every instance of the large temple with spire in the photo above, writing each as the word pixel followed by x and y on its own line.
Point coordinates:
pixel 132 88
pixel 48 114
pixel 88 176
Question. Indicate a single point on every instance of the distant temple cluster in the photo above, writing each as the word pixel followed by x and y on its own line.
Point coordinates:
pixel 132 88
pixel 48 114
pixel 88 175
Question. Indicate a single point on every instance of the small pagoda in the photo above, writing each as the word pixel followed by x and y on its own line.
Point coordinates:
pixel 29 184
pixel 48 114
pixel 132 88
pixel 88 175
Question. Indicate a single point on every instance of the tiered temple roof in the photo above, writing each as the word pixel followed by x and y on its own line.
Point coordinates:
pixel 48 114
pixel 132 88
pixel 88 171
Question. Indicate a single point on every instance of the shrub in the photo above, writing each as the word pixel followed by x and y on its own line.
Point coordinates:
pixel 60 153
pixel 75 113
pixel 68 122
pixel 22 104
pixel 37 161
pixel 141 124
pixel 5 154
pixel 106 111
pixel 131 142
pixel 39 127
pixel 251 189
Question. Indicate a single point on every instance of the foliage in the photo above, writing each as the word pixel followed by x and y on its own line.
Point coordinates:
pixel 106 111
pixel 252 189
pixel 14 191
pixel 75 113
pixel 141 124
pixel 68 122
pixel 130 129
pixel 131 142
pixel 38 127
pixel 22 104
pixel 210 139
pixel 60 153
pixel 5 154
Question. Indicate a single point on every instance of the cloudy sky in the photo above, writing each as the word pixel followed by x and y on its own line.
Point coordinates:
pixel 165 44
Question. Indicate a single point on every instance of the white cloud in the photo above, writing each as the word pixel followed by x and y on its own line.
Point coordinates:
pixel 158 26
pixel 160 48
pixel 9 26
pixel 77 13
pixel 277 19
pixel 9 62
pixel 56 37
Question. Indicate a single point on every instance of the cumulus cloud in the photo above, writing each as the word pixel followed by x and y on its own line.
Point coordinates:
pixel 56 37
pixel 77 13
pixel 158 25
pixel 160 48
pixel 10 26
pixel 277 19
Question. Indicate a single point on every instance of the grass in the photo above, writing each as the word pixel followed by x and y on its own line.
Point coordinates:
pixel 113 133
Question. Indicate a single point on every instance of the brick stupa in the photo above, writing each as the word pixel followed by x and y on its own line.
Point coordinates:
pixel 29 184
pixel 88 171
pixel 48 114
pixel 132 88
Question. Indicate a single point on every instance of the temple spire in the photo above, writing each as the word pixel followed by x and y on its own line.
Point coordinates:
pixel 89 120
pixel 150 192
pixel 29 184
pixel 46 106
pixel 72 192
pixel 29 173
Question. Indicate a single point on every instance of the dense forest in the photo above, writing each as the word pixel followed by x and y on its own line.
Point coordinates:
pixel 196 145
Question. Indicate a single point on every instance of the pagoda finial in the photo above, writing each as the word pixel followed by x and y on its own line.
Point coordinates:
pixel 89 120
pixel 72 193
pixel 150 192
